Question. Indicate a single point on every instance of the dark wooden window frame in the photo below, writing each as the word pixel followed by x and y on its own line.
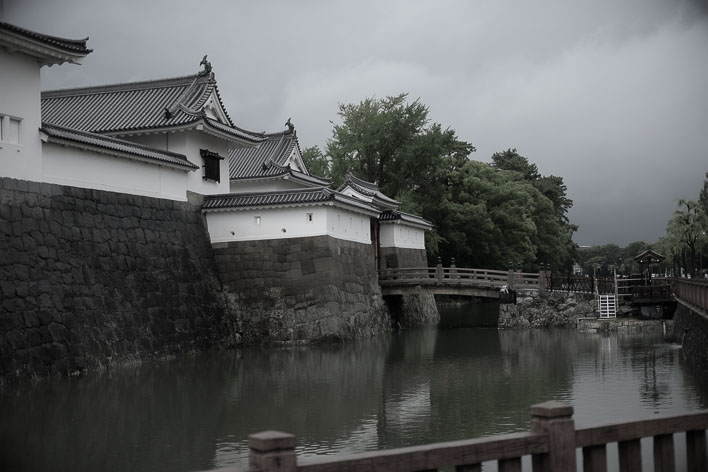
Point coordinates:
pixel 211 165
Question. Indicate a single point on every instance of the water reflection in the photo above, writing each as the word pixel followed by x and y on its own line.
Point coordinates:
pixel 412 388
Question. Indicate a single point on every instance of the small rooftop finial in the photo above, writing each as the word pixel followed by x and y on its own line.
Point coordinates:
pixel 206 64
pixel 290 125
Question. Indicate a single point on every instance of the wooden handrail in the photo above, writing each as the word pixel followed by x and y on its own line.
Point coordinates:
pixel 691 291
pixel 434 456
pixel 551 443
pixel 640 429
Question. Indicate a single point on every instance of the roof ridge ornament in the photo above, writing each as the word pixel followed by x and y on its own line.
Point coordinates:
pixel 290 125
pixel 206 66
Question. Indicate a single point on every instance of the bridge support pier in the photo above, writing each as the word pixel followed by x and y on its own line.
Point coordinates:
pixel 416 308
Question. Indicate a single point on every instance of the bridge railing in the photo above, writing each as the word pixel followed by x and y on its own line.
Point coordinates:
pixel 551 443
pixel 692 291
pixel 461 275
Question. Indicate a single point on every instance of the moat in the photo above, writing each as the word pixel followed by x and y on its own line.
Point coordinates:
pixel 410 388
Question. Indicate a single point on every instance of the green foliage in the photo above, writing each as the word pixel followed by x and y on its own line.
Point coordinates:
pixel 316 162
pixel 686 232
pixel 603 259
pixel 499 215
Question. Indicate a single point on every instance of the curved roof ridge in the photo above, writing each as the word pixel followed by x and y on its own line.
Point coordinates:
pixel 122 86
pixel 362 182
pixel 271 192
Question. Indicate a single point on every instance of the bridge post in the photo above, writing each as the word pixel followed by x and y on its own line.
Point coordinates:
pixel 510 279
pixel 271 451
pixel 556 420
pixel 453 269
pixel 543 276
pixel 439 269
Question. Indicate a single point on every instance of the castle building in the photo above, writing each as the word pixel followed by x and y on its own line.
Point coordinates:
pixel 297 259
pixel 170 137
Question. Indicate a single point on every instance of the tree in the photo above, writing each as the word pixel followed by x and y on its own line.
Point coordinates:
pixel 500 215
pixel 687 228
pixel 390 141
pixel 316 162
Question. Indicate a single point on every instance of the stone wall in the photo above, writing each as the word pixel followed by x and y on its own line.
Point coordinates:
pixel 91 278
pixel 416 309
pixel 691 331
pixel 395 257
pixel 302 289
pixel 546 310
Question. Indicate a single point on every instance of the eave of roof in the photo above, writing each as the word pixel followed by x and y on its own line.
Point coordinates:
pixel 284 198
pixel 47 49
pixel 115 147
pixel 648 252
pixel 369 189
pixel 287 173
pixel 399 217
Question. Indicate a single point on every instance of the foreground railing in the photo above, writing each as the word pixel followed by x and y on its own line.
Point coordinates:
pixel 551 443
pixel 692 291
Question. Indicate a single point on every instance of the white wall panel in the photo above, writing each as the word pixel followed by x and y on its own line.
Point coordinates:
pixel 77 168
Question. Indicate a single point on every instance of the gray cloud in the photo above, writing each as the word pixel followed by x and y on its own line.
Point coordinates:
pixel 609 95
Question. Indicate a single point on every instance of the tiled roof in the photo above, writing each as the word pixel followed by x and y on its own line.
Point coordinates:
pixel 284 197
pixel 239 200
pixel 395 215
pixel 72 46
pixel 368 188
pixel 266 159
pixel 114 146
pixel 128 107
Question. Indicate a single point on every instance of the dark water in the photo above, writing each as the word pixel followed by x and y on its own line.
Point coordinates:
pixel 412 388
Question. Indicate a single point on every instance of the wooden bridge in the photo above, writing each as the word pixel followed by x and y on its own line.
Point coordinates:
pixel 551 444
pixel 439 280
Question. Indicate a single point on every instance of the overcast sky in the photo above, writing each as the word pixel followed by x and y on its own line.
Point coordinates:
pixel 610 95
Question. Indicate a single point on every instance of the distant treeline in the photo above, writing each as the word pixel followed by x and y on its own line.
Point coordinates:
pixel 685 244
pixel 499 215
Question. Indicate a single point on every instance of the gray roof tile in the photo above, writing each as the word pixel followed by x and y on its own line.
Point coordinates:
pixel 395 215
pixel 67 136
pixel 264 159
pixel 137 106
pixel 369 188
pixel 285 197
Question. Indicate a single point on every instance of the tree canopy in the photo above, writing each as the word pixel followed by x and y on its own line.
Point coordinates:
pixel 504 214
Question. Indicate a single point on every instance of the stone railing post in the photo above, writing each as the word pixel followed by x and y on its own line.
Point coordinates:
pixel 556 420
pixel 453 269
pixel 439 269
pixel 510 279
pixel 271 451
pixel 543 276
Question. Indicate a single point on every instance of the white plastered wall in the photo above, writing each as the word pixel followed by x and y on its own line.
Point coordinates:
pixel 292 222
pixel 20 98
pixel 403 236
pixel 189 143
pixel 78 168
